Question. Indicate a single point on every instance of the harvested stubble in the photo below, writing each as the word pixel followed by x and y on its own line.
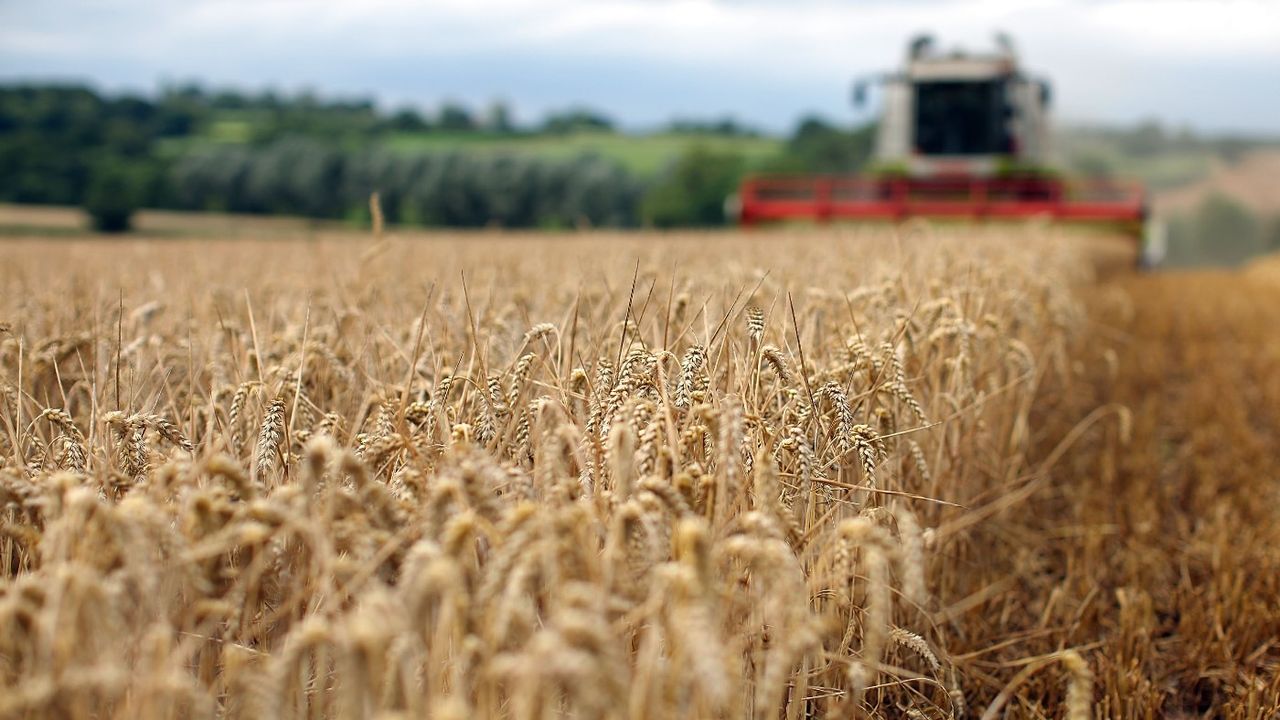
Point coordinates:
pixel 1171 541
pixel 529 477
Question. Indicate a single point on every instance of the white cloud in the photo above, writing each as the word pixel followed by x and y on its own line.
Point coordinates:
pixel 1194 27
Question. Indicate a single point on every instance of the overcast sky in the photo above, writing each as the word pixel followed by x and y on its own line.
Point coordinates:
pixel 1212 64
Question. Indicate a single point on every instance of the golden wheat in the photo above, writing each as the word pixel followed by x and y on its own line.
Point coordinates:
pixel 537 476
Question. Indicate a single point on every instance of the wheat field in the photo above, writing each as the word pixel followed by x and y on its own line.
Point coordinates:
pixel 916 472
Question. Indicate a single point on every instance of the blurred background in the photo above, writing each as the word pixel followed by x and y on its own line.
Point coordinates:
pixel 563 114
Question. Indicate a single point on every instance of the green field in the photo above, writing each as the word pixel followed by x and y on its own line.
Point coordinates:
pixel 642 154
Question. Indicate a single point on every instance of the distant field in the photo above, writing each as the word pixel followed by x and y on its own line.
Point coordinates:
pixel 642 154
pixel 1169 170
pixel 1253 182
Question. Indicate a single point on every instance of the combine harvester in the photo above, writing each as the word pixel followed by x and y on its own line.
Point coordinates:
pixel 961 136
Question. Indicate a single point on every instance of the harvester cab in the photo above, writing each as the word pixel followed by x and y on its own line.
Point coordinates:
pixel 961 114
pixel 960 136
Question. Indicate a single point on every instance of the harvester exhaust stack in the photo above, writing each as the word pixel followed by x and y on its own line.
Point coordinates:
pixel 961 135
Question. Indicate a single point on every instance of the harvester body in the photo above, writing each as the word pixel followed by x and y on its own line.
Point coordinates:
pixel 960 136
pixel 960 114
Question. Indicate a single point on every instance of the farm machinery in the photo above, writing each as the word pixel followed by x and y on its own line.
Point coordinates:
pixel 960 136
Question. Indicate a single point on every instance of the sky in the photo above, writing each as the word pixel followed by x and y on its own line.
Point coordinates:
pixel 1212 65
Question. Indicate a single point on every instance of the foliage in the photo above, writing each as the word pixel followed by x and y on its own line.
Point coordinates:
pixel 303 177
pixel 455 118
pixel 577 119
pixel 645 156
pixel 817 146
pixel 51 137
pixel 498 119
pixel 407 120
pixel 114 194
pixel 724 127
pixel 692 193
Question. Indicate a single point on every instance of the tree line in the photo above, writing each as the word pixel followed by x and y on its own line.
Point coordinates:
pixel 302 155
pixel 307 177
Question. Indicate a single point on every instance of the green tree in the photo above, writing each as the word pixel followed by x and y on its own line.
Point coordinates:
pixel 692 192
pixel 576 120
pixel 455 118
pixel 113 195
pixel 498 119
pixel 816 146
pixel 407 120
